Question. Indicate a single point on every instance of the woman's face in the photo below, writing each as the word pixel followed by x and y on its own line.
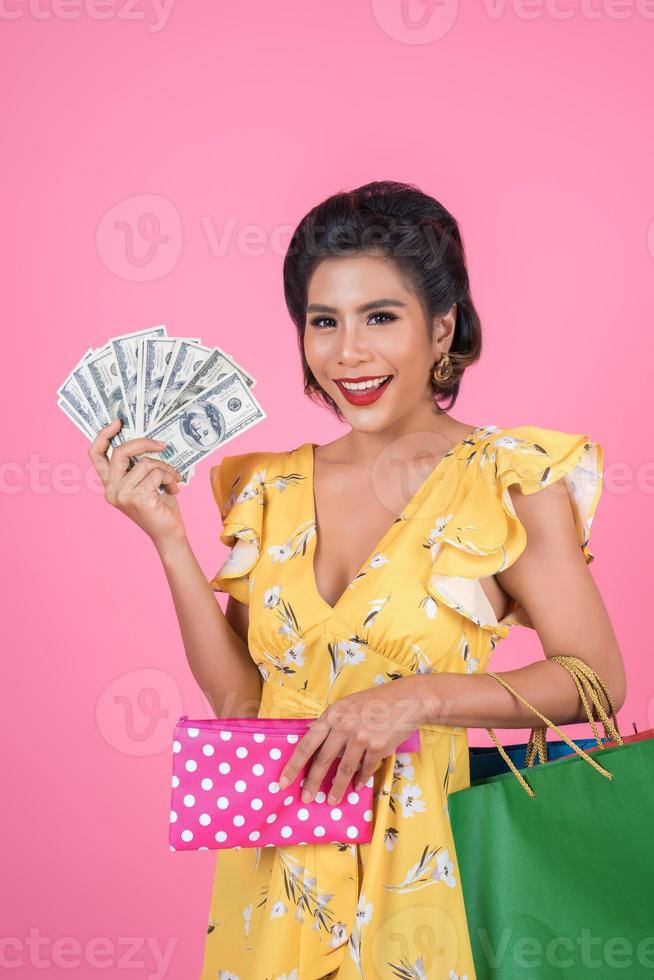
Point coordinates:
pixel 362 322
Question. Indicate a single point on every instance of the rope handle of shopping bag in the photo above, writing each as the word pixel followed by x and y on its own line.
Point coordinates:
pixel 580 671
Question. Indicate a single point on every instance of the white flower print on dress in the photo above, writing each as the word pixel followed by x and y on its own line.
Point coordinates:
pixel 487 457
pixel 444 868
pixel 257 484
pixel 430 606
pixel 280 552
pixel 281 482
pixel 271 596
pixel 294 655
pixel 402 767
pixel 300 886
pixel 352 652
pixel 453 975
pixel 251 489
pixel 343 653
pixel 288 661
pixel 376 606
pixel 420 664
pixel 339 933
pixel 278 909
pixel 420 876
pixel 376 561
pixel 438 530
pixel 472 663
pixel 247 918
pixel 296 544
pixel 409 971
pixel 408 797
pixel 362 917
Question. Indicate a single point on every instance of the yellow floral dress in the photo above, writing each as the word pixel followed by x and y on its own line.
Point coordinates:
pixel 392 908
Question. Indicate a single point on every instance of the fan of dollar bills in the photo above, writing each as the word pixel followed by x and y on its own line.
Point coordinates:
pixel 193 398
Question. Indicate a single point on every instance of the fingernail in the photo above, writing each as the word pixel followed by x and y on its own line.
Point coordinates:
pixel 306 796
pixel 332 798
pixel 283 782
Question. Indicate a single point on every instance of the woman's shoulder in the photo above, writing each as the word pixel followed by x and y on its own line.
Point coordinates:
pixel 535 455
pixel 240 477
pixel 482 533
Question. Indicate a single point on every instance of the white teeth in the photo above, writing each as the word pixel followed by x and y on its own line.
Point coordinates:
pixel 363 385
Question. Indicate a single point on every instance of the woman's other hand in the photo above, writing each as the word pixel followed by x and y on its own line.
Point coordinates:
pixel 360 729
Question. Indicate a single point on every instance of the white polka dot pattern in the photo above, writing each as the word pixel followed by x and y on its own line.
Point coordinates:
pixel 226 793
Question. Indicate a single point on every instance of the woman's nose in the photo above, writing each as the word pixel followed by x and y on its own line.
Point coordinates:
pixel 351 345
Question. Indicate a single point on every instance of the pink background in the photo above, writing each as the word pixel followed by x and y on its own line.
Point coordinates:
pixel 229 121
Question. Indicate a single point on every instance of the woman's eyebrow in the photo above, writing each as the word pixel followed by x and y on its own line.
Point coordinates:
pixel 320 308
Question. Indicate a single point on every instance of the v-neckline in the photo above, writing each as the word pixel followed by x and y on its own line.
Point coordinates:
pixel 309 448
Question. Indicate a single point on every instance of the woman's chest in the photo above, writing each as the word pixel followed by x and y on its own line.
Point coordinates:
pixel 346 537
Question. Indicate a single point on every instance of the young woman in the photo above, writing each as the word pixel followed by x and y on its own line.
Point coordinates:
pixel 369 581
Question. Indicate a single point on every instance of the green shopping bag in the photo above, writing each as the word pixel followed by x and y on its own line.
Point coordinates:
pixel 557 871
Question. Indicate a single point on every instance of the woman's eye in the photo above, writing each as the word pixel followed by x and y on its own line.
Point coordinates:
pixel 388 316
pixel 318 321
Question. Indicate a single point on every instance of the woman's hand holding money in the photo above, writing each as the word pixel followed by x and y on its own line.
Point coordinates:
pixel 135 490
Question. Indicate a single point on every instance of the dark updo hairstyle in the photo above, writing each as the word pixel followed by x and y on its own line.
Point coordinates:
pixel 398 221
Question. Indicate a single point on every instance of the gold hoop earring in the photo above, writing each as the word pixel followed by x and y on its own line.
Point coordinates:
pixel 443 369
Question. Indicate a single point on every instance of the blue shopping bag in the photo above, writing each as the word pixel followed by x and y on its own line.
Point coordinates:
pixel 485 760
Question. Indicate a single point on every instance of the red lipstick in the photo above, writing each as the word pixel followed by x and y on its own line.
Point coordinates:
pixel 365 396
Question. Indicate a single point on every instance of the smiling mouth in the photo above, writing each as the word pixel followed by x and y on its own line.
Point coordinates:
pixel 363 391
pixel 368 384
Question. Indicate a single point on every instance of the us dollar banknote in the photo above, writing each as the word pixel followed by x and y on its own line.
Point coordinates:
pixel 127 348
pixel 105 375
pixel 206 422
pixel 155 364
pixel 185 360
pixel 217 365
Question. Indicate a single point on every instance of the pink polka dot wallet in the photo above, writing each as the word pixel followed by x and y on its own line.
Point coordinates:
pixel 225 789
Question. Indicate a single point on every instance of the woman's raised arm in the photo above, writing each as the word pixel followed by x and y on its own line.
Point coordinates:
pixel 217 652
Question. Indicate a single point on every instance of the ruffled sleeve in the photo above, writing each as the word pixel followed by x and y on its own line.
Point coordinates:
pixel 483 534
pixel 238 489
